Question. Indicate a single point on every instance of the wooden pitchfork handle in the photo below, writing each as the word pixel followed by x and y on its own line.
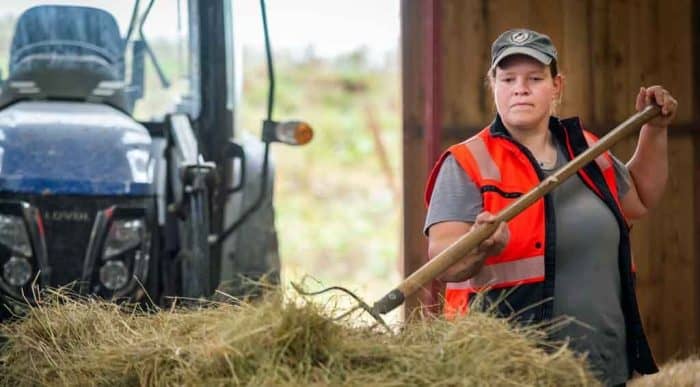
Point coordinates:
pixel 474 237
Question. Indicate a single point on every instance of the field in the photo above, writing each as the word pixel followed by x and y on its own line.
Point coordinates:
pixel 338 198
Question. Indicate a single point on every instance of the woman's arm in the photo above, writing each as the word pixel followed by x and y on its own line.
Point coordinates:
pixel 648 166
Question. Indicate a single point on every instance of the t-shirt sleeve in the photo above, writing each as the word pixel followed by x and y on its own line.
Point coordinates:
pixel 455 196
pixel 622 177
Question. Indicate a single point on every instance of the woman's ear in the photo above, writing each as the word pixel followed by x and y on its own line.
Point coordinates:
pixel 491 79
pixel 558 86
pixel 558 82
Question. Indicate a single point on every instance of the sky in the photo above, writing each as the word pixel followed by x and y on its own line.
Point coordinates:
pixel 331 27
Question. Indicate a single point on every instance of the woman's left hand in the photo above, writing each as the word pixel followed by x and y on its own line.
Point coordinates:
pixel 660 96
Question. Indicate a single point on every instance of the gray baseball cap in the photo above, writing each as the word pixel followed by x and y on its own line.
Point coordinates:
pixel 523 41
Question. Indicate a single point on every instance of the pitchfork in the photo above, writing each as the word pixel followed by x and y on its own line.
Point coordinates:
pixel 475 236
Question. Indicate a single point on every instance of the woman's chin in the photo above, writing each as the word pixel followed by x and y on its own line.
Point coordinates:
pixel 523 121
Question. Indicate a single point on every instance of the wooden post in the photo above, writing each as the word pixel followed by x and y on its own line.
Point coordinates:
pixel 415 159
pixel 695 101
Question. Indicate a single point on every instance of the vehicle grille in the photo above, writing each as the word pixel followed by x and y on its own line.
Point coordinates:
pixel 68 222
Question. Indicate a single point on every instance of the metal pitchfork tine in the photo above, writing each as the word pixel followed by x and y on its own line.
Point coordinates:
pixel 474 237
pixel 361 304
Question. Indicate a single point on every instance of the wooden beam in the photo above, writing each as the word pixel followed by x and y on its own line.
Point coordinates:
pixel 695 60
pixel 696 171
pixel 467 52
pixel 575 60
pixel 432 78
pixel 414 246
pixel 464 132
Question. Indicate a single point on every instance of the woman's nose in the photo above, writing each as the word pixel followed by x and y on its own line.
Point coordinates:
pixel 521 88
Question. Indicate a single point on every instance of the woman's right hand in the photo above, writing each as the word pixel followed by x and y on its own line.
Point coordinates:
pixel 442 235
pixel 494 244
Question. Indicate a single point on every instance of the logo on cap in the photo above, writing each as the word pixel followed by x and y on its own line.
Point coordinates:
pixel 519 37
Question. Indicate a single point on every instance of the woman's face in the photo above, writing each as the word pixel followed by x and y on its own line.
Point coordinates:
pixel 524 91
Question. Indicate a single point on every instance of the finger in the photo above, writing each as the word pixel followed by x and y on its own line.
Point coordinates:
pixel 485 215
pixel 484 218
pixel 504 231
pixel 639 102
pixel 670 105
pixel 648 92
pixel 498 233
pixel 486 245
pixel 665 108
pixel 659 95
pixel 498 243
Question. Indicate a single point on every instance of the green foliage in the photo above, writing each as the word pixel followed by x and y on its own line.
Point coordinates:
pixel 337 208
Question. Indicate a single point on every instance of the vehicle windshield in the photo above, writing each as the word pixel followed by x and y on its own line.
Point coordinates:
pixel 91 46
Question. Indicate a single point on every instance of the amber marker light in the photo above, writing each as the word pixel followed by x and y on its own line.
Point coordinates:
pixel 303 133
pixel 288 132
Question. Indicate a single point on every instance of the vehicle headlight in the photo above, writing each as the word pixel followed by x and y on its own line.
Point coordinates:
pixel 17 271
pixel 114 275
pixel 124 235
pixel 13 234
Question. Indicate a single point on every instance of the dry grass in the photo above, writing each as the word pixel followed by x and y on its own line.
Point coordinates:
pixel 275 342
pixel 679 373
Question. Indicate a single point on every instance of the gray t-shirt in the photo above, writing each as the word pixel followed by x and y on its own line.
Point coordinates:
pixel 587 277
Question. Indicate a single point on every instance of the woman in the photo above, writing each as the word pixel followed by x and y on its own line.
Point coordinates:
pixel 569 253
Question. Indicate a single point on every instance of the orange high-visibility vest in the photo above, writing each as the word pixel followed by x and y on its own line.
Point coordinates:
pixel 521 278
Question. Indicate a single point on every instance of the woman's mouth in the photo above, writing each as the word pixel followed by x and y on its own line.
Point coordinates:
pixel 521 106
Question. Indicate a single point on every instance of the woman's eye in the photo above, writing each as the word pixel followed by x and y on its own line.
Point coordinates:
pixel 507 79
pixel 536 78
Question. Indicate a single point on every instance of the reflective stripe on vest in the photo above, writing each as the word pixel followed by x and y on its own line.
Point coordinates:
pixel 493 161
pixel 511 273
pixel 604 161
pixel 487 167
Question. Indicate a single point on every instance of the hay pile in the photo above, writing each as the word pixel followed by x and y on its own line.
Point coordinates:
pixel 680 373
pixel 275 342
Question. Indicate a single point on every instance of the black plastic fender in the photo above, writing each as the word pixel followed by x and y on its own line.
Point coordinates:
pixel 251 254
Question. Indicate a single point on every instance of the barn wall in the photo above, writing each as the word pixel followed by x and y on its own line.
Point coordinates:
pixel 607 50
